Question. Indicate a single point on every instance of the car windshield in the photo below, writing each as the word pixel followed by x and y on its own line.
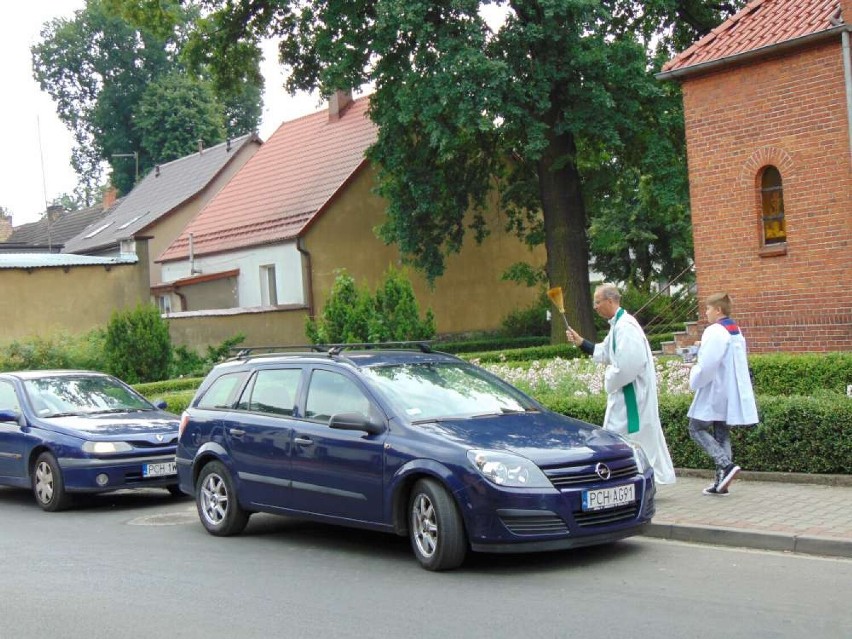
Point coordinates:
pixel 60 395
pixel 433 391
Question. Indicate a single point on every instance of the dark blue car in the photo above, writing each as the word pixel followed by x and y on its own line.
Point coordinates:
pixel 65 432
pixel 410 442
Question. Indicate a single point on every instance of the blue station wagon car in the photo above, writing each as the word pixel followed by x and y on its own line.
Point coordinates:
pixel 64 432
pixel 410 442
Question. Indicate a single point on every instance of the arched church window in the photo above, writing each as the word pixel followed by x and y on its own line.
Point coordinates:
pixel 772 207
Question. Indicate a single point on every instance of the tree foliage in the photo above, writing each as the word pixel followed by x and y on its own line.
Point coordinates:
pixel 557 105
pixel 138 347
pixel 100 71
pixel 354 315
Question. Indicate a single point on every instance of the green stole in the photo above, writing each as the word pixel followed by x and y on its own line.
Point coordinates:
pixel 629 391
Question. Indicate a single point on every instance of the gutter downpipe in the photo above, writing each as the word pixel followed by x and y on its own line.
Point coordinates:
pixel 847 74
pixel 308 279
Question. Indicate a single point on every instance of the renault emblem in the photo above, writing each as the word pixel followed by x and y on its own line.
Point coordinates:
pixel 602 471
pixel 160 438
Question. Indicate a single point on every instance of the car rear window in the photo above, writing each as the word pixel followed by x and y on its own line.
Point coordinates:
pixel 222 392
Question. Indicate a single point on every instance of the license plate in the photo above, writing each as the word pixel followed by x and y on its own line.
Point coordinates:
pixel 612 497
pixel 159 470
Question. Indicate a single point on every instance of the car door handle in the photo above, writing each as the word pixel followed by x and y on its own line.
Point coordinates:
pixel 304 441
pixel 237 432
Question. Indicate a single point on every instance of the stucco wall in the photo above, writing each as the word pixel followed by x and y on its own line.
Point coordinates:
pixel 470 296
pixel 280 327
pixel 789 112
pixel 165 230
pixel 71 300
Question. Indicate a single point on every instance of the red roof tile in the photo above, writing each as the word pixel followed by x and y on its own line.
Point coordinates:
pixel 761 23
pixel 283 186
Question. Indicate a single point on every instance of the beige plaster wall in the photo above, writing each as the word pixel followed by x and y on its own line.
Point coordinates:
pixel 73 300
pixel 470 296
pixel 169 227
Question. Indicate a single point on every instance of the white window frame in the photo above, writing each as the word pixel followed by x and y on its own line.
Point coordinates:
pixel 268 285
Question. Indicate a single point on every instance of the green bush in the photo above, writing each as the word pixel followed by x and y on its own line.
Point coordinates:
pixel 565 351
pixel 801 374
pixel 489 344
pixel 529 321
pixel 149 389
pixel 138 347
pixel 57 350
pixel 796 434
pixel 353 315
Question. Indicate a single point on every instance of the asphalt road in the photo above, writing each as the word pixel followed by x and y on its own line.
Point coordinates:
pixel 140 565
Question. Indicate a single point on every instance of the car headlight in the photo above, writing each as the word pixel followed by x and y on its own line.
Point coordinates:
pixel 101 448
pixel 506 469
pixel 639 456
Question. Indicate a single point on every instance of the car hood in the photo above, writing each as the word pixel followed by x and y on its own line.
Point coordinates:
pixel 546 438
pixel 137 426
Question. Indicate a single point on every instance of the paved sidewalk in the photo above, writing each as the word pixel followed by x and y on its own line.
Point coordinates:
pixel 767 511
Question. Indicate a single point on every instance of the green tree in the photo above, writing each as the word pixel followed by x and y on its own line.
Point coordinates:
pixel 98 69
pixel 174 113
pixel 556 106
pixel 353 315
pixel 138 347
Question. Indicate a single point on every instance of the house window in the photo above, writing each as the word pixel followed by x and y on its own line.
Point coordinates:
pixel 165 304
pixel 772 207
pixel 268 286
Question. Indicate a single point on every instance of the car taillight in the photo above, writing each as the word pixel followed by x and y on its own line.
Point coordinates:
pixel 184 420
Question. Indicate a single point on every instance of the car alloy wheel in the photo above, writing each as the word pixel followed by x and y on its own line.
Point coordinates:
pixel 435 527
pixel 48 484
pixel 425 525
pixel 216 501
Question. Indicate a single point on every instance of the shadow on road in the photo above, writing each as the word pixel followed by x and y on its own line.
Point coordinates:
pixel 304 536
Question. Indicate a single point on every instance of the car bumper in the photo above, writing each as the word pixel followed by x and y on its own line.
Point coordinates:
pixel 518 520
pixel 81 474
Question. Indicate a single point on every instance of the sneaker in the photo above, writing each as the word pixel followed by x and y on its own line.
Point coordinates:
pixel 728 475
pixel 714 491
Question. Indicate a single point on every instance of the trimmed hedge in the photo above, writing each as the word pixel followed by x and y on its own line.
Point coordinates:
pixel 804 374
pixel 149 389
pixel 565 351
pixel 489 344
pixel 796 434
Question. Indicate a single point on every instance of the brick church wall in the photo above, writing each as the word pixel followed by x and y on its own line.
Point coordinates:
pixel 789 112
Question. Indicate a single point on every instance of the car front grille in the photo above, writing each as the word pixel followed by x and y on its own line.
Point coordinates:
pixel 569 476
pixel 605 517
pixel 534 525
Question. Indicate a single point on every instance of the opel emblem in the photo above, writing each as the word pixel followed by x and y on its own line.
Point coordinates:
pixel 160 438
pixel 602 471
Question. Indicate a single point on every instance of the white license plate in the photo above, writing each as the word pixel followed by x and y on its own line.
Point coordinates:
pixel 159 470
pixel 612 497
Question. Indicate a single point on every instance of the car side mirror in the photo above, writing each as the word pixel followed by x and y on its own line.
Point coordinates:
pixel 9 415
pixel 161 404
pixel 355 421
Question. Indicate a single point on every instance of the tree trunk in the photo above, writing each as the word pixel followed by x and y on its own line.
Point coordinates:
pixel 565 235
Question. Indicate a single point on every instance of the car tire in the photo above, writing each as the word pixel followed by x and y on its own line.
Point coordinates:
pixel 49 485
pixel 435 527
pixel 216 500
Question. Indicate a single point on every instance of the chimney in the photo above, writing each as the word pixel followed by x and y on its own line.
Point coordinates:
pixel 156 170
pixel 109 197
pixel 6 228
pixel 846 11
pixel 338 103
pixel 200 146
pixel 53 212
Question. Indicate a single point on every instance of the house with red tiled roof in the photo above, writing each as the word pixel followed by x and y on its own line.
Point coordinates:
pixel 263 254
pixel 768 115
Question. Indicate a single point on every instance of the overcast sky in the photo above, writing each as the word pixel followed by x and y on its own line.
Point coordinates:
pixel 35 159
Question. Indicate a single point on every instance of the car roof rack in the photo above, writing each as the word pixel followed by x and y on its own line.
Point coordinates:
pixel 422 345
pixel 332 350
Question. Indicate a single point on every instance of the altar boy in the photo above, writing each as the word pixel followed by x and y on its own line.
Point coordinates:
pixel 724 396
